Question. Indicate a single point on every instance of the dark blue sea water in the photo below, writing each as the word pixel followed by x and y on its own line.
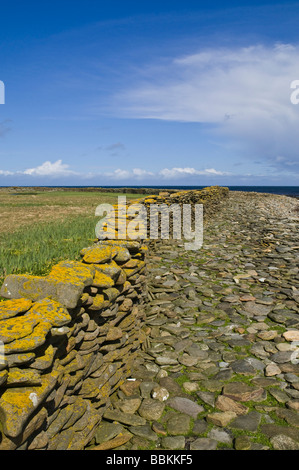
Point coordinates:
pixel 283 190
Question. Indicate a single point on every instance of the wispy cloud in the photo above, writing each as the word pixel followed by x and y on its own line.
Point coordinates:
pixel 47 169
pixel 58 169
pixel 169 173
pixel 243 93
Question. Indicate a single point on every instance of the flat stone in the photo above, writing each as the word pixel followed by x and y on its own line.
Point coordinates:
pixel 146 388
pixel 249 422
pixel 160 393
pixel 291 335
pixel 224 403
pixel 271 430
pixel 242 443
pixel 221 419
pixel 125 418
pixel 281 357
pixel 144 431
pixel 267 335
pixel 117 441
pixel 220 435
pixel 173 443
pixel 187 360
pixel 151 409
pixel 107 431
pixel 282 442
pixel 130 387
pixel 265 381
pixel 184 405
pixel 179 424
pixel 18 404
pixel 257 309
pixel 207 397
pixel 279 395
pixel 167 359
pixel 199 426
pixel 11 308
pixel 272 369
pixel 204 443
pixel 241 366
pixel 240 391
pixel 290 416
pixel 171 385
pixel 128 405
pixel 293 404
pixel 190 387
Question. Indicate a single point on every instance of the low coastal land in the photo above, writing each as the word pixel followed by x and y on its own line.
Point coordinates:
pixel 220 365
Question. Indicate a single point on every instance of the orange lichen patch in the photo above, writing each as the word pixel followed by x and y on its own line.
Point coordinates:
pixel 23 377
pixel 150 201
pixel 31 342
pixel 18 286
pixel 120 254
pixel 130 244
pixel 11 308
pixel 17 404
pixel 29 332
pixel 16 328
pixel 102 280
pixel 72 271
pixel 96 254
pixel 98 302
pixel 84 297
pixel 110 269
pixel 50 311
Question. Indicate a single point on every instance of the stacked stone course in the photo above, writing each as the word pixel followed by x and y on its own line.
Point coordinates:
pixel 71 338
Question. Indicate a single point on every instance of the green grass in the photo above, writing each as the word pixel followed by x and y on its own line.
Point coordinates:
pixel 35 249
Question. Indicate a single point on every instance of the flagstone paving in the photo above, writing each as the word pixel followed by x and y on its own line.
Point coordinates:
pixel 220 367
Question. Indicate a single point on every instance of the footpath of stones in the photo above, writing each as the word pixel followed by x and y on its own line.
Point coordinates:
pixel 220 367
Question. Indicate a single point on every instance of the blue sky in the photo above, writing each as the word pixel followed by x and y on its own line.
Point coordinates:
pixel 149 93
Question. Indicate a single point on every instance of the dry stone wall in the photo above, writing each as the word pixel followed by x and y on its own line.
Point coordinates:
pixel 71 337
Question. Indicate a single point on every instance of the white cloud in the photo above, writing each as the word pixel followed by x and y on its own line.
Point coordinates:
pixel 49 169
pixel 185 172
pixel 135 173
pixel 244 93
pixel 138 172
pixel 59 169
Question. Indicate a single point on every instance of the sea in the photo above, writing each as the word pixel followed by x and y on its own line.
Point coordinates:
pixel 292 191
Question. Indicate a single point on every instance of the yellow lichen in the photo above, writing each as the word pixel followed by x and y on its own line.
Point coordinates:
pixel 16 328
pixel 102 280
pixel 96 254
pixel 10 308
pixel 51 311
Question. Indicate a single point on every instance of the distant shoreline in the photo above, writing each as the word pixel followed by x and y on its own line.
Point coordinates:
pixel 291 191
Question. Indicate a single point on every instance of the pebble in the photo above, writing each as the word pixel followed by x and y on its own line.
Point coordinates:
pixel 221 356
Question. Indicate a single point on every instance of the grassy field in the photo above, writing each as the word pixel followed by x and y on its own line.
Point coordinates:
pixel 40 228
